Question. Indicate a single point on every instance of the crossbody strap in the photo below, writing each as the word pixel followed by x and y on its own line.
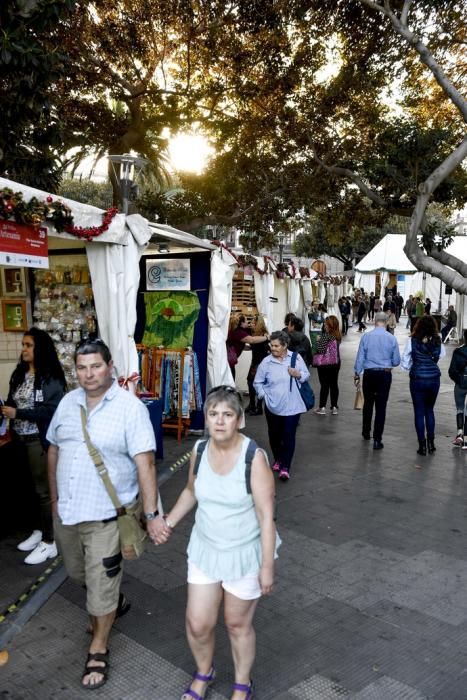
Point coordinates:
pixel 100 466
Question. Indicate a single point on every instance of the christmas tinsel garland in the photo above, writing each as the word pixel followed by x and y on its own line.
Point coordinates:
pixel 34 212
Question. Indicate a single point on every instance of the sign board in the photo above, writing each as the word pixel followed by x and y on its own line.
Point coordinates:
pixel 168 275
pixel 24 246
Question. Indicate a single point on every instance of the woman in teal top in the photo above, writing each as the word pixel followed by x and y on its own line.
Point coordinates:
pixel 232 545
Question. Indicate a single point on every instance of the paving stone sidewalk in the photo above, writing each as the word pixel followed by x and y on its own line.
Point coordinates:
pixel 370 601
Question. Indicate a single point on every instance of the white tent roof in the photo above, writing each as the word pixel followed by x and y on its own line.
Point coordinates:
pixel 387 255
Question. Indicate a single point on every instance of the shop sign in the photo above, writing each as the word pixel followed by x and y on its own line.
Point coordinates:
pixel 168 275
pixel 24 246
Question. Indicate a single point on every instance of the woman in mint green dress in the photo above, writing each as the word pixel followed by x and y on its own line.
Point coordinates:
pixel 233 543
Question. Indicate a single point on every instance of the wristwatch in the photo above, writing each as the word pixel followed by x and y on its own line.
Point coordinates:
pixel 151 516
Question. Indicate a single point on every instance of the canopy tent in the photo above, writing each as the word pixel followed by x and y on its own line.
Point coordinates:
pixel 114 268
pixel 387 256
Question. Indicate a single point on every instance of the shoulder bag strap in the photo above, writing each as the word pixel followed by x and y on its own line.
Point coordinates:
pixel 293 360
pixel 249 457
pixel 100 466
pixel 199 453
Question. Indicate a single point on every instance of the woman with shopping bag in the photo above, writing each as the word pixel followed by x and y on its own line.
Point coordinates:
pixel 327 360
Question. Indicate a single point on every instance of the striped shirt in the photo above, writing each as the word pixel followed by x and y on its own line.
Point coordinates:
pixel 120 428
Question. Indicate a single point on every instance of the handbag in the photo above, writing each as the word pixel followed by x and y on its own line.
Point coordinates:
pixel 359 400
pixel 306 392
pixel 232 358
pixel 329 357
pixel 129 518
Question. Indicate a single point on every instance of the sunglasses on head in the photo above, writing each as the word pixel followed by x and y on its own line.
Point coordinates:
pixel 225 387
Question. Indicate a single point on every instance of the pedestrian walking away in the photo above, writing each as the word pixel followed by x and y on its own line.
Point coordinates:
pixel 258 352
pixel 328 362
pixel 377 354
pixel 36 387
pixel 233 543
pixel 421 354
pixel 282 400
pixel 458 373
pixel 85 519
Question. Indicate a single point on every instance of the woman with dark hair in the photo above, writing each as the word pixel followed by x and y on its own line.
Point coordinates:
pixel 329 365
pixel 36 387
pixel 275 383
pixel 458 373
pixel 239 334
pixel 421 355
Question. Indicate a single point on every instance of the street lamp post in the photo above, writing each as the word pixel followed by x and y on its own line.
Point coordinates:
pixel 126 170
pixel 281 243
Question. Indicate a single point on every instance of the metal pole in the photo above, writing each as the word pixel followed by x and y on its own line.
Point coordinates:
pixel 440 295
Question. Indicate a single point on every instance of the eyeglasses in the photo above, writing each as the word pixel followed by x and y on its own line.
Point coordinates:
pixel 90 341
pixel 225 387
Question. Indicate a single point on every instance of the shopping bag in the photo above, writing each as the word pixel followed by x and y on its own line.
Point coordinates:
pixel 358 403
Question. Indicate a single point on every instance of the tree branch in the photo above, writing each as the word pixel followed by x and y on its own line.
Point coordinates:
pixel 405 12
pixel 349 174
pixel 425 55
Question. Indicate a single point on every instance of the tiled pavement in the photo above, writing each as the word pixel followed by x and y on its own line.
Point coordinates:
pixel 371 594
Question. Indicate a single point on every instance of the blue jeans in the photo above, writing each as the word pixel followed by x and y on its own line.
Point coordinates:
pixel 424 393
pixel 281 431
pixel 459 398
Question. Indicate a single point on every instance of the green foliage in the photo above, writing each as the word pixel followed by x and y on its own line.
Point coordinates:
pixel 32 61
pixel 99 194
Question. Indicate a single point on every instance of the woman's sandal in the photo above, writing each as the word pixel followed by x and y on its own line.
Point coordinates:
pixel 101 670
pixel 248 689
pixel 190 694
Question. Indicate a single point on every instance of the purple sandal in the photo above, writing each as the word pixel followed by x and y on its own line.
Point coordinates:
pixel 248 689
pixel 189 693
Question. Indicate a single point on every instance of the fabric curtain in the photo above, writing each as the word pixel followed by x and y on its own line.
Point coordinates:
pixel 219 305
pixel 264 290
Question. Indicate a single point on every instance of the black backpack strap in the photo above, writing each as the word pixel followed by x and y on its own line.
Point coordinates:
pixel 249 457
pixel 200 447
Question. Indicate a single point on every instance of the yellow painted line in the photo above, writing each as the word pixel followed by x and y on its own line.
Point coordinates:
pixel 13 607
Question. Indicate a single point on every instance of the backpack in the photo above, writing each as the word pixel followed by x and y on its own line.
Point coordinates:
pixel 249 456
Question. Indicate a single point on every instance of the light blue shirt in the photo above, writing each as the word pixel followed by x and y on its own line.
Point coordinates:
pixel 120 428
pixel 272 382
pixel 377 350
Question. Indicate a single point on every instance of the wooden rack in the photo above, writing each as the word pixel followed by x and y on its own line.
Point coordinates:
pixel 151 362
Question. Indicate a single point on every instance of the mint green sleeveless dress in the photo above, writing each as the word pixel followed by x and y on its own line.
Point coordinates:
pixel 225 541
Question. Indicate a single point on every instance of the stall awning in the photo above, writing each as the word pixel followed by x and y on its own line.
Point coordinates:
pixel 174 238
pixel 387 255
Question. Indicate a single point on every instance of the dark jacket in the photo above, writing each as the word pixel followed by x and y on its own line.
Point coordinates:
pixel 46 400
pixel 457 368
pixel 425 358
pixel 299 343
pixel 258 352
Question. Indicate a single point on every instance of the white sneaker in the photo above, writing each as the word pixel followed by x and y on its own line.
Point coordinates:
pixel 31 543
pixel 334 411
pixel 41 553
pixel 320 411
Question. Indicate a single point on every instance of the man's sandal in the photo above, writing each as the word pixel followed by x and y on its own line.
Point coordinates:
pixel 247 689
pixel 190 694
pixel 101 670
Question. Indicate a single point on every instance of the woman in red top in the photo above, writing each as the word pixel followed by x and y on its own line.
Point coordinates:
pixel 238 336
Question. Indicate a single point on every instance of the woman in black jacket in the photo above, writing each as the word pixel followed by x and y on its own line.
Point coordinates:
pixel 36 387
pixel 458 374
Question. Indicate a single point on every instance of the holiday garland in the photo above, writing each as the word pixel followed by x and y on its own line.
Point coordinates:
pixel 34 212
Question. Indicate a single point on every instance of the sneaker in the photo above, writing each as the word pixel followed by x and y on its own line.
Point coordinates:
pixel 334 411
pixel 31 543
pixel 464 446
pixel 284 475
pixel 458 441
pixel 276 467
pixel 320 411
pixel 41 553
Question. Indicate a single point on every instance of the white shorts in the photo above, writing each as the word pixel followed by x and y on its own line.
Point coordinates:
pixel 245 588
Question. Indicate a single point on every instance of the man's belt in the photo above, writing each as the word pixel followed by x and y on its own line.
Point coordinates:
pixel 378 369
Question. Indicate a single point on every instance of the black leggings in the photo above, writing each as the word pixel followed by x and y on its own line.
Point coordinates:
pixel 328 375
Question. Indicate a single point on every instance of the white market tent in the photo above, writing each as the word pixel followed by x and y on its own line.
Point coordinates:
pixel 114 266
pixel 388 256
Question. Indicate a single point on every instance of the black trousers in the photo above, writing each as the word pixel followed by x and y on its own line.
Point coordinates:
pixel 328 375
pixel 281 431
pixel 376 386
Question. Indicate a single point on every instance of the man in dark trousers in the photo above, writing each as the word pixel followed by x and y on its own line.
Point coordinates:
pixel 378 353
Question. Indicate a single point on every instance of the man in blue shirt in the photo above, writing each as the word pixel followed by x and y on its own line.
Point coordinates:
pixel 378 353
